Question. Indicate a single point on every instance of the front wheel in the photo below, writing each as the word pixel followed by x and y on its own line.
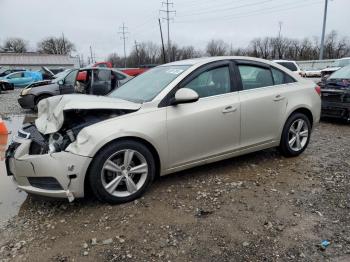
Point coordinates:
pixel 296 135
pixel 121 172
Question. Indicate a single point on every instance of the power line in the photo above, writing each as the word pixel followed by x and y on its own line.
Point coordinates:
pixel 269 10
pixel 226 9
pixel 123 33
pixel 167 11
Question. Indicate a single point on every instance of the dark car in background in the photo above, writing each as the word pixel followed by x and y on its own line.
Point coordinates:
pixel 335 93
pixel 94 81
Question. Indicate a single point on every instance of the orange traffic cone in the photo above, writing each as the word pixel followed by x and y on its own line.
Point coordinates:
pixel 3 145
pixel 3 128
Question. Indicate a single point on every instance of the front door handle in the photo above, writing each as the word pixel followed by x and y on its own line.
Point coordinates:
pixel 278 98
pixel 229 109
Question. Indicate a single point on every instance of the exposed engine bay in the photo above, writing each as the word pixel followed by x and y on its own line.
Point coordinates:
pixel 74 121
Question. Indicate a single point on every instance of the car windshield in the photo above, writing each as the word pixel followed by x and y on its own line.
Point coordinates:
pixel 291 66
pixel 148 85
pixel 343 73
pixel 341 63
pixel 61 75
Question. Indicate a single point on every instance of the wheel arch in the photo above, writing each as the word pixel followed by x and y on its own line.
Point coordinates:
pixel 143 141
pixel 303 110
pixel 38 96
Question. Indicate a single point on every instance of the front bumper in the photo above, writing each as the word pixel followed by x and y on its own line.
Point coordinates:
pixel 66 168
pixel 27 101
pixel 336 110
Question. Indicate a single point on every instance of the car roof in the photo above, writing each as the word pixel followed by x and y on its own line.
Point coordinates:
pixel 284 61
pixel 204 60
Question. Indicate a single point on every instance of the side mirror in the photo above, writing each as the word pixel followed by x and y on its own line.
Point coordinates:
pixel 60 82
pixel 185 95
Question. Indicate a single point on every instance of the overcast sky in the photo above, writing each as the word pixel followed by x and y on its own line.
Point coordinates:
pixel 97 22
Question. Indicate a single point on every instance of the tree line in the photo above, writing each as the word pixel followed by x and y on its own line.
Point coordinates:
pixel 146 53
pixel 263 47
pixel 49 45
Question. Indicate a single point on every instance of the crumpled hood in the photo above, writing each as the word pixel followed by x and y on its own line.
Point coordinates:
pixel 50 111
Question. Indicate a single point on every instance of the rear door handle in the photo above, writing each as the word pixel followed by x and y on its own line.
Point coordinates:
pixel 278 98
pixel 229 109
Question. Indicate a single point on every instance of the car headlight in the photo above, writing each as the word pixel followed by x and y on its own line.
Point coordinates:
pixel 25 91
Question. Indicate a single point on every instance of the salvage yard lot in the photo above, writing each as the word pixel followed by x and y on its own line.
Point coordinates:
pixel 257 207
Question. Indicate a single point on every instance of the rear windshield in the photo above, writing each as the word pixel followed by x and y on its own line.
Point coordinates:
pixel 291 66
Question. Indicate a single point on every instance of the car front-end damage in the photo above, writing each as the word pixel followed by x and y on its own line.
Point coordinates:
pixel 38 158
pixel 336 99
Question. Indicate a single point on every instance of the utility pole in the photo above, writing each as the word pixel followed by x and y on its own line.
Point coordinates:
pixel 168 18
pixel 64 44
pixel 123 33
pixel 323 28
pixel 161 36
pixel 137 53
pixel 92 59
pixel 280 23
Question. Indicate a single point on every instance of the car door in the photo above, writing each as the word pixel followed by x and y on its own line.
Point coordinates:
pixel 209 127
pixel 67 87
pixel 101 83
pixel 263 104
pixel 15 78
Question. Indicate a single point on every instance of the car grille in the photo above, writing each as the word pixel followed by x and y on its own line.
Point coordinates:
pixel 47 183
pixel 332 97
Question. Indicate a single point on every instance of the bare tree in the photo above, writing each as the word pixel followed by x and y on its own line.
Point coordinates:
pixel 216 48
pixel 16 45
pixel 56 45
pixel 116 60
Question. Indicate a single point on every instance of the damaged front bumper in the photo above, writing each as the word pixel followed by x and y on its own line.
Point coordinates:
pixel 59 175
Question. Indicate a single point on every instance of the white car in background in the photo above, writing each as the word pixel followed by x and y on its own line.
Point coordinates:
pixel 292 66
pixel 170 118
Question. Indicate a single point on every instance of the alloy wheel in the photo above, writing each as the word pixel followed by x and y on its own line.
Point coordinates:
pixel 298 135
pixel 124 173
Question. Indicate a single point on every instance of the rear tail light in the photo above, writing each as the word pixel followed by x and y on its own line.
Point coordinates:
pixel 318 90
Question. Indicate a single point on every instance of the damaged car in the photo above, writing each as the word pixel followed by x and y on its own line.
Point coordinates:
pixel 336 95
pixel 96 81
pixel 171 118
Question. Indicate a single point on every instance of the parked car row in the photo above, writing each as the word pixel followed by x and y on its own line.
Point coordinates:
pixel 170 118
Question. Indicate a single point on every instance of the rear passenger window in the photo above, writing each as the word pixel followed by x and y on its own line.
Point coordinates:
pixel 281 78
pixel 255 77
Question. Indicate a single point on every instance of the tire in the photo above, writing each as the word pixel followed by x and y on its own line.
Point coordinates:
pixel 37 100
pixel 110 173
pixel 290 147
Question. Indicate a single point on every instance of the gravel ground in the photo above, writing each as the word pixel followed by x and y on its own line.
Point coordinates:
pixel 9 104
pixel 258 207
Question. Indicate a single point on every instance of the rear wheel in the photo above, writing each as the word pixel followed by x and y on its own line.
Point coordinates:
pixel 121 172
pixel 296 135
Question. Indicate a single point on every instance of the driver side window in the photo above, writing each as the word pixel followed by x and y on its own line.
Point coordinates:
pixel 212 82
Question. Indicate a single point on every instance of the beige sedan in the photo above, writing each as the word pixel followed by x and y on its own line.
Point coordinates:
pixel 173 117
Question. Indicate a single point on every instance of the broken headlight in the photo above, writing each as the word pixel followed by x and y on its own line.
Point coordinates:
pixel 59 142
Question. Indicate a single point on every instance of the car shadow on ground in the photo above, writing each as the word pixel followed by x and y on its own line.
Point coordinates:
pixel 160 183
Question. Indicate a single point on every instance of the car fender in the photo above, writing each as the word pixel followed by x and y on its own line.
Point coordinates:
pixel 148 126
pixel 51 89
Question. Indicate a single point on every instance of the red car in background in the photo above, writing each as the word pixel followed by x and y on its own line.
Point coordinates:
pixel 128 71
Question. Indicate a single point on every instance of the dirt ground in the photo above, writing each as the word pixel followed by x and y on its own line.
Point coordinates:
pixel 258 207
